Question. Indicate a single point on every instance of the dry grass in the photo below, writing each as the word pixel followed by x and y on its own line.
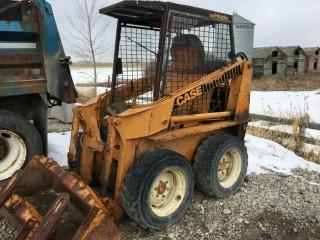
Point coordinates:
pixel 292 142
pixel 299 119
pixel 306 82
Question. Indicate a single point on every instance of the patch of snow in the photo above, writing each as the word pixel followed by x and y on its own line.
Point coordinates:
pixel 286 104
pixel 85 75
pixel 58 145
pixel 267 155
pixel 312 133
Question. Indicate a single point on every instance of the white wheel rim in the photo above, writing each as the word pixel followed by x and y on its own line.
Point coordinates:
pixel 167 192
pixel 229 168
pixel 15 156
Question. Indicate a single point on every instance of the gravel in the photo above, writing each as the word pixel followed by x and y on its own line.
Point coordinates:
pixel 7 231
pixel 268 206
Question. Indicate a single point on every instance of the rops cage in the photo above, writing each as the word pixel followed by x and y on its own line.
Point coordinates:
pixel 166 46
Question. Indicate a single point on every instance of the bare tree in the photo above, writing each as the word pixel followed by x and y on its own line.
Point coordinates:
pixel 87 33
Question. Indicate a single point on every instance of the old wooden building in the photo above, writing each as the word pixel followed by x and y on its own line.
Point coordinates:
pixel 296 60
pixel 268 61
pixel 279 60
pixel 313 59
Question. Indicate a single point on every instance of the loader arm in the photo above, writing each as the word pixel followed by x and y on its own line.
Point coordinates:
pixel 89 116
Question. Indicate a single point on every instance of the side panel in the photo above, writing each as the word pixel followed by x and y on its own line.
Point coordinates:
pixel 59 80
pixel 21 69
pixel 32 58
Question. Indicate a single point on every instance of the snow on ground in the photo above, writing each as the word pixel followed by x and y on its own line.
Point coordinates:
pixel 286 104
pixel 59 147
pixel 267 155
pixel 263 154
pixel 85 75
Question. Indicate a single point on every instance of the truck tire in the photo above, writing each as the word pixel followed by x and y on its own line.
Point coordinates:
pixel 220 165
pixel 158 189
pixel 19 142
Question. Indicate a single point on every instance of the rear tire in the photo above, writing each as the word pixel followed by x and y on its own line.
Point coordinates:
pixel 220 165
pixel 158 189
pixel 19 140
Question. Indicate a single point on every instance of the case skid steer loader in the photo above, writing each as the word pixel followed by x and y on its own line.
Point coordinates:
pixel 175 117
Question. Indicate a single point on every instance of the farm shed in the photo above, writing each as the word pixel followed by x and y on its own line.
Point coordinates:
pixel 296 60
pixel 268 61
pixel 278 60
pixel 313 59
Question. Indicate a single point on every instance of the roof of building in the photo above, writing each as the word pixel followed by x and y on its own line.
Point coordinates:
pixel 311 50
pixel 263 52
pixel 290 50
pixel 237 19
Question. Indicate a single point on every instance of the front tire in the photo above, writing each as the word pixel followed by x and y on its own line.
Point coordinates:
pixel 220 165
pixel 19 142
pixel 158 189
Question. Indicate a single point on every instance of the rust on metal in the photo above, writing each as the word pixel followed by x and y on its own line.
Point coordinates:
pixel 22 213
pixel 6 191
pixel 43 173
pixel 13 5
pixel 161 188
pixel 52 217
pixel 97 226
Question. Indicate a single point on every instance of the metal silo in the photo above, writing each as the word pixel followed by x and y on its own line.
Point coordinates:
pixel 243 35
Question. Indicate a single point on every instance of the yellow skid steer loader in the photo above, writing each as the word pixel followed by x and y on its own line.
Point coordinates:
pixel 175 117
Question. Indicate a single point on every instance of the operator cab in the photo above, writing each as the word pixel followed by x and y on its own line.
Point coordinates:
pixel 167 46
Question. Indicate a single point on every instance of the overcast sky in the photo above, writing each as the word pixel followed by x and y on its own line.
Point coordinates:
pixel 278 22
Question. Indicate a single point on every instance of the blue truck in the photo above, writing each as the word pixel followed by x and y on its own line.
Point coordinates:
pixel 34 75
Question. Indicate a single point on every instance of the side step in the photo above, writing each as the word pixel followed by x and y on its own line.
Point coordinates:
pixel 43 173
